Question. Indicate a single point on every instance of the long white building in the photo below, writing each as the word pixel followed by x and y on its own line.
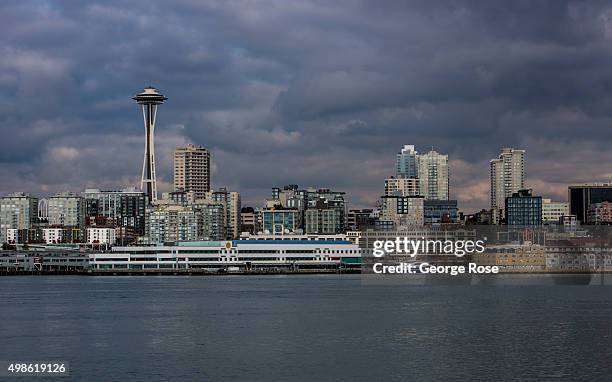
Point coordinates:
pixel 249 254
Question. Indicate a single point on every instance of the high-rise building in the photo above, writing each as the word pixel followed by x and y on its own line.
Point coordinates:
pixel 406 163
pixel 507 176
pixel 17 211
pixel 582 196
pixel 402 186
pixel 211 219
pixel 149 99
pixel 124 208
pixel 523 209
pixel 192 170
pixel 232 205
pixel 67 209
pixel 212 222
pixel 433 176
pixel 552 211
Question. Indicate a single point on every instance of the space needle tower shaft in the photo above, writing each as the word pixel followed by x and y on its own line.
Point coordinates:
pixel 149 99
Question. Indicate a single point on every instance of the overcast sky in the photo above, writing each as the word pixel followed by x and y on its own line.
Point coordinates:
pixel 315 93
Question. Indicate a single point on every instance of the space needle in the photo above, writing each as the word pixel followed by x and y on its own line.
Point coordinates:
pixel 149 99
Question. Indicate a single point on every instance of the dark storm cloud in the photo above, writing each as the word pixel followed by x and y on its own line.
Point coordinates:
pixel 312 92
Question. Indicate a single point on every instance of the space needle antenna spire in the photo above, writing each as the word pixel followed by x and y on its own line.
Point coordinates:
pixel 149 99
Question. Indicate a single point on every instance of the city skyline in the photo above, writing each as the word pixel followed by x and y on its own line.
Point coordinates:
pixel 397 183
pixel 257 102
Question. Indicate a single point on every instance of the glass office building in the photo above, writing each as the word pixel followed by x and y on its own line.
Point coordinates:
pixel 279 221
pixel 582 196
pixel 523 209
pixel 406 163
pixel 440 211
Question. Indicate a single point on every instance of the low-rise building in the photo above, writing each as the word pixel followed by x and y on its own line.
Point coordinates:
pixel 101 235
pixel 55 235
pixel 600 213
pixel 325 216
pixel 279 221
pixel 569 223
pixel 13 237
pixel 525 257
pixel 440 211
pixel 248 255
pixel 552 211
pixel 361 219
pixel 248 220
pixel 37 261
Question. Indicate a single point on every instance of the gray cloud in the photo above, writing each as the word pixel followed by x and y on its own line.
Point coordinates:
pixel 312 92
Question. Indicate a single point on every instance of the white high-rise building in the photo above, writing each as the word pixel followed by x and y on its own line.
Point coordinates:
pixel 433 176
pixel 192 170
pixel 507 176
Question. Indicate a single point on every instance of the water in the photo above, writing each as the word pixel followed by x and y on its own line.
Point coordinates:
pixel 306 328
